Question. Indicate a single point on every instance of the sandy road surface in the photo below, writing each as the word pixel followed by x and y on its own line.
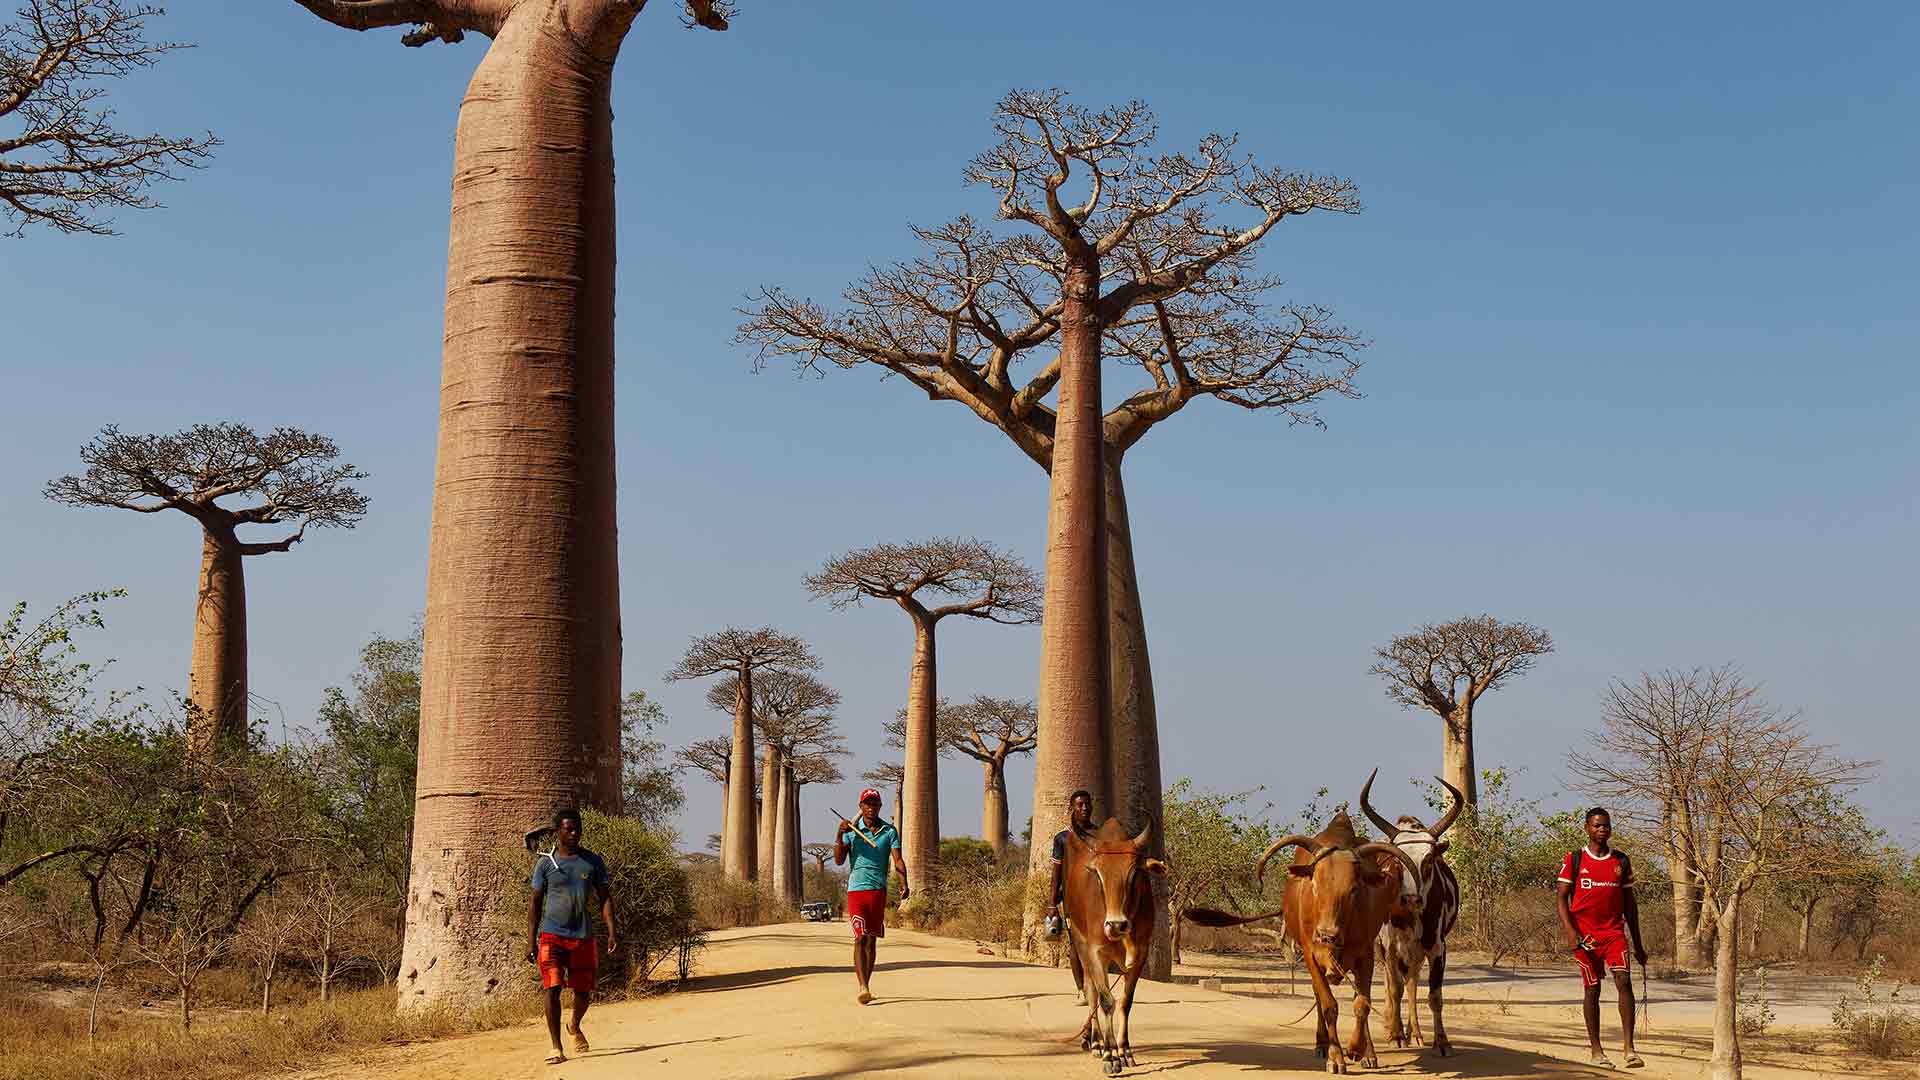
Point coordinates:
pixel 778 1001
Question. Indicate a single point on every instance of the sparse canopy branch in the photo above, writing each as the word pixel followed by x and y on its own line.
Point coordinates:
pixel 62 162
pixel 742 654
pixel 287 476
pixel 706 755
pixel 990 730
pixel 1445 668
pixel 888 774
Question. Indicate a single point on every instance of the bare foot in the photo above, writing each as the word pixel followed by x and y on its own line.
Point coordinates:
pixel 579 1040
pixel 865 997
pixel 557 1057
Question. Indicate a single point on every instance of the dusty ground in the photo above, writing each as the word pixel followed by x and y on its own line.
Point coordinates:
pixel 778 1002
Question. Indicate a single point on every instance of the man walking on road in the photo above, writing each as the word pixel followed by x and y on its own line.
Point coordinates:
pixel 559 938
pixel 870 843
pixel 1599 912
pixel 1080 819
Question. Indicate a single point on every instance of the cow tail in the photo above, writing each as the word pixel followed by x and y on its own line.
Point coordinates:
pixel 1206 916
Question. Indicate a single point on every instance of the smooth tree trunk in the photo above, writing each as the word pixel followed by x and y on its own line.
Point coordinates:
pixel 1133 762
pixel 1074 706
pixel 1726 992
pixel 266 986
pixel 993 806
pixel 217 683
pixel 520 685
pixel 796 867
pixel 780 789
pixel 1687 952
pixel 1456 754
pixel 919 814
pixel 738 835
pixel 1806 926
pixel 770 773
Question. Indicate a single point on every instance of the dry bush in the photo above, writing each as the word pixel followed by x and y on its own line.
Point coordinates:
pixel 40 1042
pixel 721 902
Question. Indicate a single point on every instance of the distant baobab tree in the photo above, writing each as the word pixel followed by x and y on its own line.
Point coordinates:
pixel 1445 668
pixel 792 712
pixel 805 767
pixel 930 581
pixel 989 730
pixel 1115 251
pixel 711 757
pixel 65 164
pixel 520 695
pixel 742 653
pixel 284 477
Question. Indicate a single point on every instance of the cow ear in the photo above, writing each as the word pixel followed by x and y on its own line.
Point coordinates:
pixel 1371 873
pixel 1440 848
pixel 1155 866
pixel 1301 870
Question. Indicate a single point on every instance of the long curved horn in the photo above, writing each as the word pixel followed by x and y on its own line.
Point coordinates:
pixel 1372 814
pixel 1453 811
pixel 1308 842
pixel 1146 834
pixel 1406 860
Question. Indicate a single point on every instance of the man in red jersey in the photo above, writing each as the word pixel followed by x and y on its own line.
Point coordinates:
pixel 1598 910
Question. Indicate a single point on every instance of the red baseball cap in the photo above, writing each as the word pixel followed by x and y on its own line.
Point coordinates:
pixel 869 794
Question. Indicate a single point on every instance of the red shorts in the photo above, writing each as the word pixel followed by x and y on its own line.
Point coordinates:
pixel 867 912
pixel 568 962
pixel 1609 948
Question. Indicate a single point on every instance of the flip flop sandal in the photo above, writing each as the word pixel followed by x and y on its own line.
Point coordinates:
pixel 1600 1061
pixel 1635 1061
pixel 579 1041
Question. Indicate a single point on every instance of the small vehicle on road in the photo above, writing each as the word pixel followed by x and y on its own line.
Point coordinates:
pixel 818 911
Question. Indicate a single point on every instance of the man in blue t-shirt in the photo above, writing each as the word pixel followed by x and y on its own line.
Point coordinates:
pixel 559 937
pixel 870 846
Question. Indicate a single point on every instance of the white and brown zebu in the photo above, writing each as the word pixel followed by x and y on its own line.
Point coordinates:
pixel 1338 894
pixel 1109 906
pixel 1420 921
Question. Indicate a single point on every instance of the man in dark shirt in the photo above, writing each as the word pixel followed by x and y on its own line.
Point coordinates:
pixel 559 937
pixel 1080 817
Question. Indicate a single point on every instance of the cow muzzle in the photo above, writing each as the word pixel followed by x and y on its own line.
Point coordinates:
pixel 1116 928
pixel 1330 936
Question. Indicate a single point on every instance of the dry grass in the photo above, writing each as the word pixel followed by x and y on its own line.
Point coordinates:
pixel 43 1042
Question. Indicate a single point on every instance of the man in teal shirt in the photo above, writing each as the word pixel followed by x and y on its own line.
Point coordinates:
pixel 870 844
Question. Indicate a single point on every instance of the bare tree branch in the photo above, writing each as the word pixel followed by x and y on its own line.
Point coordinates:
pixel 1442 667
pixel 734 650
pixel 980 580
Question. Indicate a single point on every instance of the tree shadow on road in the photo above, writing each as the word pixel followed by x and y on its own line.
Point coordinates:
pixel 770 976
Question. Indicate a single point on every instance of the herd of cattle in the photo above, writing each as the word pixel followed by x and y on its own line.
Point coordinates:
pixel 1342 898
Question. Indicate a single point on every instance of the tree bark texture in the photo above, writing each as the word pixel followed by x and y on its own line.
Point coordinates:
pixel 1133 755
pixel 217 682
pixel 1806 927
pixel 993 807
pixel 520 685
pixel 1457 754
pixel 1074 707
pixel 1687 953
pixel 1726 993
pixel 919 820
pixel 769 811
pixel 796 870
pixel 738 836
pixel 785 884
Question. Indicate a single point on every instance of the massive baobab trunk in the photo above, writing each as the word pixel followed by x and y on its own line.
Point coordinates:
pixel 796 872
pixel 520 694
pixel 738 835
pixel 1075 726
pixel 993 807
pixel 770 772
pixel 1456 754
pixel 217 683
pixel 919 811
pixel 780 855
pixel 1687 952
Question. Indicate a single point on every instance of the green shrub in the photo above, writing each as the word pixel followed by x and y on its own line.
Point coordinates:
pixel 1753 1012
pixel 652 901
pixel 1871 1024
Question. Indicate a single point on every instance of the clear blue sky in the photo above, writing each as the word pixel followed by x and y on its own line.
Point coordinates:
pixel 1643 286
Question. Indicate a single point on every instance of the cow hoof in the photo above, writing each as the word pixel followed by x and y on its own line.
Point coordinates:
pixel 1113 1067
pixel 1443 1048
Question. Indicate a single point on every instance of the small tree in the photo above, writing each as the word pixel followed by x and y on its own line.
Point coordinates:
pixel 1758 779
pixel 651 790
pixel 962 577
pixel 1445 668
pixel 268 933
pixel 741 653
pixel 291 476
pixel 1212 844
pixel 66 164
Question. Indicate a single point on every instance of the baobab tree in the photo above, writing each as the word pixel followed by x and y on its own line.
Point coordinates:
pixel 741 653
pixel 64 164
pixel 930 581
pixel 792 712
pixel 286 476
pixel 804 767
pixel 1445 668
pixel 888 774
pixel 1113 251
pixel 1758 791
pixel 520 696
pixel 712 757
pixel 990 730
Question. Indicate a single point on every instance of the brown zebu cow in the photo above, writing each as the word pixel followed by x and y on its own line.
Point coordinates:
pixel 1109 905
pixel 1338 893
pixel 1417 927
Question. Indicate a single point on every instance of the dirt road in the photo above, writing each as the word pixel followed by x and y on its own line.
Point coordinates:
pixel 778 1001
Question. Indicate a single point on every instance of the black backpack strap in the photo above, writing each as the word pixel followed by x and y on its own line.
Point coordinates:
pixel 1626 867
pixel 1573 874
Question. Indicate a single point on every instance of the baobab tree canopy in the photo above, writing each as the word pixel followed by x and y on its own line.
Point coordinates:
pixel 1445 668
pixel 980 580
pixel 285 476
pixel 63 164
